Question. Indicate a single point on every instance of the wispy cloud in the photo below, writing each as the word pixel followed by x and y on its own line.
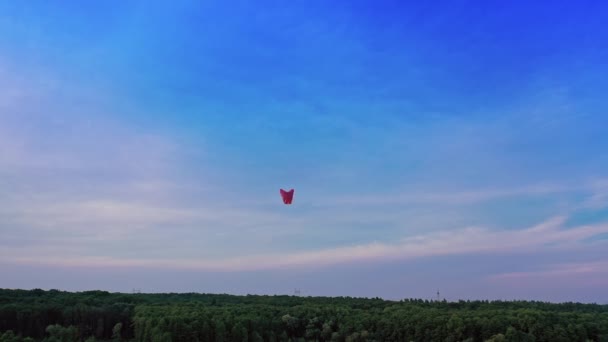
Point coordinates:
pixel 458 197
pixel 579 275
pixel 547 235
pixel 599 197
pixel 561 270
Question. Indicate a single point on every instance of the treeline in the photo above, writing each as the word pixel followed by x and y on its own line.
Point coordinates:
pixel 53 316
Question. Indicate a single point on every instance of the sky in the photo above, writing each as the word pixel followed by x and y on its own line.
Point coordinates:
pixel 451 146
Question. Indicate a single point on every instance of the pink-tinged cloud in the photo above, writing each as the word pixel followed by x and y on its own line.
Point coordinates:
pixel 549 235
pixel 580 274
pixel 559 270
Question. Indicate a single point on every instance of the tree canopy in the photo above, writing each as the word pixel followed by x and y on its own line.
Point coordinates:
pixel 52 316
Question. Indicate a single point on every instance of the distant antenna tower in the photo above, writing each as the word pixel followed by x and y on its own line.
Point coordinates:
pixel 296 292
pixel 438 298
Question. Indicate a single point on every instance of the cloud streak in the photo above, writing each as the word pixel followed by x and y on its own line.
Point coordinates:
pixel 592 274
pixel 460 197
pixel 548 235
pixel 565 270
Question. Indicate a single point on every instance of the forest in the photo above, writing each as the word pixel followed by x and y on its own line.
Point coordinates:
pixel 60 316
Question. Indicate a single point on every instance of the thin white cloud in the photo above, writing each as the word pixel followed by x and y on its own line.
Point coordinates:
pixel 73 216
pixel 457 197
pixel 599 197
pixel 547 235
pixel 580 275
pixel 561 270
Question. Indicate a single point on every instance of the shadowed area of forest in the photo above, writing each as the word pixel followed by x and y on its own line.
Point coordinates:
pixel 53 316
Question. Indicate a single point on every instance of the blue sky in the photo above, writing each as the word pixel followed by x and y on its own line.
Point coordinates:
pixel 458 146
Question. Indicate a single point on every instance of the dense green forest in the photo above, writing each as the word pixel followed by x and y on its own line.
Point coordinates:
pixel 53 316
